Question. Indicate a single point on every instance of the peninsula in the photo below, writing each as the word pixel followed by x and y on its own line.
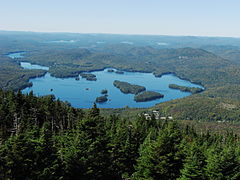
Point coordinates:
pixel 192 90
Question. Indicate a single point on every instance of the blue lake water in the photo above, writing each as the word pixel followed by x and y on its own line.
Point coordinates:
pixel 83 93
pixel 75 92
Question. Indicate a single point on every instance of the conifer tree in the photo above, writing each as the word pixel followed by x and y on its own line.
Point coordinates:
pixel 163 158
pixel 222 163
pixel 144 165
pixel 92 147
pixel 194 163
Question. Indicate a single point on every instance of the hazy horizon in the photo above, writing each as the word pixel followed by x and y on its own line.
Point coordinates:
pixel 170 35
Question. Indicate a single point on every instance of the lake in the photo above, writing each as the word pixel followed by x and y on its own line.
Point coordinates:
pixel 82 93
pixel 15 55
pixel 25 65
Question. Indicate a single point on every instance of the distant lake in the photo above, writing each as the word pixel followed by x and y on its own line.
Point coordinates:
pixel 62 41
pixel 83 93
pixel 15 55
pixel 26 65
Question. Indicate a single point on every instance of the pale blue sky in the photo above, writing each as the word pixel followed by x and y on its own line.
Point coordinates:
pixel 165 17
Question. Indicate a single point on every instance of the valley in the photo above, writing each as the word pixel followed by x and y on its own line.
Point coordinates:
pixel 63 62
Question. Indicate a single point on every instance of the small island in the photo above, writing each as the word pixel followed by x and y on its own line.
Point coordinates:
pixel 192 90
pixel 110 70
pixel 128 88
pixel 147 96
pixel 104 91
pixel 101 99
pixel 89 77
pixel 119 72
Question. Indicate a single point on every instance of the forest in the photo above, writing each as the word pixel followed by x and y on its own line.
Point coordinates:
pixel 147 96
pixel 192 90
pixel 44 138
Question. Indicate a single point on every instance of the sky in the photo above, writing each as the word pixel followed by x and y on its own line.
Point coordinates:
pixel 160 17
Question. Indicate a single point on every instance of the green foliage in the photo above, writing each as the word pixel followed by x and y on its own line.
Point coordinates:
pixel 200 108
pixel 222 163
pixel 192 90
pixel 30 154
pixel 127 88
pixel 194 163
pixel 104 91
pixel 161 159
pixel 13 77
pixel 89 77
pixel 43 138
pixel 101 99
pixel 20 112
pixel 147 96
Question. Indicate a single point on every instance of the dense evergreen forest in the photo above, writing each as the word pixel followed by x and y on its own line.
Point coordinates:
pixel 44 138
pixel 192 90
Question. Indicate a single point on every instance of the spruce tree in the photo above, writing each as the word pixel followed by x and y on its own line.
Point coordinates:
pixel 194 163
pixel 92 147
pixel 163 158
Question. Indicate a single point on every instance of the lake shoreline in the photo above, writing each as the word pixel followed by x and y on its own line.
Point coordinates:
pixel 107 67
pixel 82 93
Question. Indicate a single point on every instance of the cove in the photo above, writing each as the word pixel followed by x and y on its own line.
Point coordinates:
pixel 82 93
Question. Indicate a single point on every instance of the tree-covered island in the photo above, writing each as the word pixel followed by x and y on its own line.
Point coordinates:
pixel 104 91
pixel 110 70
pixel 89 77
pixel 128 88
pixel 101 99
pixel 192 90
pixel 147 96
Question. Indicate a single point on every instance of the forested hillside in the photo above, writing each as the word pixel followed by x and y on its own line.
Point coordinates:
pixel 69 54
pixel 196 65
pixel 12 76
pixel 43 138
